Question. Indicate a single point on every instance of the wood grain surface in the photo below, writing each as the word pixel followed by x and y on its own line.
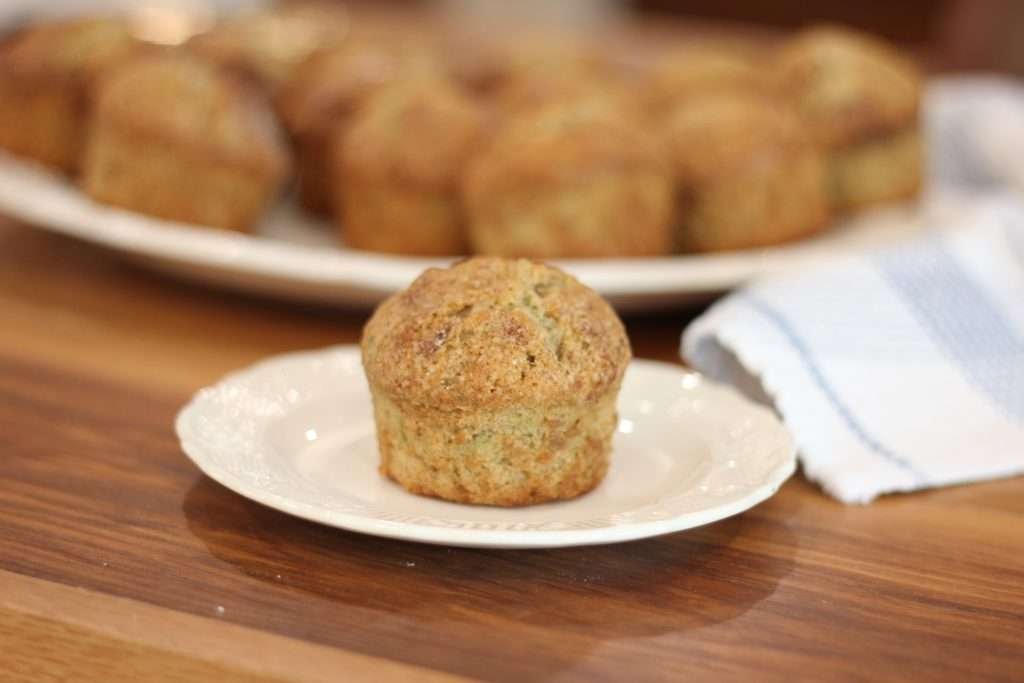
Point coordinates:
pixel 51 631
pixel 97 356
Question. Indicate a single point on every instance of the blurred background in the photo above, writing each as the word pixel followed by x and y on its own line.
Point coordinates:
pixel 949 34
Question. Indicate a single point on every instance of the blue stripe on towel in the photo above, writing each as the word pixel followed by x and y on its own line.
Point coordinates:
pixel 962 320
pixel 814 370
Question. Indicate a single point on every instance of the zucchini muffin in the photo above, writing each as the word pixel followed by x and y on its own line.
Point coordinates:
pixel 174 137
pixel 46 72
pixel 397 165
pixel 572 179
pixel 747 173
pixel 266 45
pixel 861 100
pixel 325 91
pixel 495 382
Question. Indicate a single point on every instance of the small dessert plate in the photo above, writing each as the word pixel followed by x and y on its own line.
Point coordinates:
pixel 296 433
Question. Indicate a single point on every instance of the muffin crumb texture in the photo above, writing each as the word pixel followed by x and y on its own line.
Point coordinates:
pixel 495 381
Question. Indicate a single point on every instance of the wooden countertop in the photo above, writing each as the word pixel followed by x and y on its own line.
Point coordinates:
pixel 119 560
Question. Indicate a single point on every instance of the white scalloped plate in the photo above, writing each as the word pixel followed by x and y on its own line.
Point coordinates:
pixel 296 257
pixel 296 433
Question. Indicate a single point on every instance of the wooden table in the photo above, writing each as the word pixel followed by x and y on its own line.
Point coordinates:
pixel 120 561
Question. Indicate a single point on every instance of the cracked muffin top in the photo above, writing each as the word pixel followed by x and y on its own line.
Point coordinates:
pixel 562 143
pixel 847 85
pixel 419 130
pixel 190 102
pixel 493 333
pixel 714 134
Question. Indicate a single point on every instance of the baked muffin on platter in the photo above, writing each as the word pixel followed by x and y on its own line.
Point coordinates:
pixel 571 179
pixel 495 381
pixel 46 72
pixel 747 173
pixel 323 94
pixel 266 45
pixel 397 166
pixel 175 137
pixel 861 100
pixel 688 72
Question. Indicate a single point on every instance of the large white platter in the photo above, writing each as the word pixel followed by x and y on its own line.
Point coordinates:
pixel 296 257
pixel 296 433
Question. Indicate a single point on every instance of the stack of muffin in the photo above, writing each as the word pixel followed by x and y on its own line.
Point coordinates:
pixel 547 149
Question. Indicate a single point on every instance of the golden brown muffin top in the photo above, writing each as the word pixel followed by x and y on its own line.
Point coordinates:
pixel 78 47
pixel 563 143
pixel 559 86
pixel 268 44
pixel 419 130
pixel 333 81
pixel 700 69
pixel 714 132
pixel 492 333
pixel 848 86
pixel 193 103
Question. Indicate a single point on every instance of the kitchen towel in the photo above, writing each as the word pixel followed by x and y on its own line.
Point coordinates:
pixel 896 370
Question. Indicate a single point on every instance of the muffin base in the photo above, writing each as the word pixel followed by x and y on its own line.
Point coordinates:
pixel 507 457
pixel 768 201
pixel 376 215
pixel 879 170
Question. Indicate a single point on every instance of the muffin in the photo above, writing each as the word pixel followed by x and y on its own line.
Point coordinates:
pixel 861 100
pixel 174 137
pixel 397 165
pixel 572 179
pixel 495 382
pixel 46 72
pixel 323 93
pixel 747 173
pixel 686 73
pixel 266 45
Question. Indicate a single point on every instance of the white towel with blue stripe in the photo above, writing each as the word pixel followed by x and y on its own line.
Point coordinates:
pixel 895 370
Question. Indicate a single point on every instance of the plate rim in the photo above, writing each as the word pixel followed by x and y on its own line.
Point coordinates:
pixel 475 538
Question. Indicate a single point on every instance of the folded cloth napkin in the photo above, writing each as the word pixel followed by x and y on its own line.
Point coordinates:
pixel 896 370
